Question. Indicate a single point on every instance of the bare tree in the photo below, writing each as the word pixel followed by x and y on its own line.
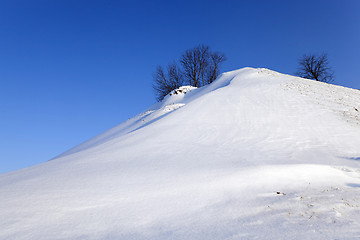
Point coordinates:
pixel 175 75
pixel 166 82
pixel 213 70
pixel 200 67
pixel 195 62
pixel 315 67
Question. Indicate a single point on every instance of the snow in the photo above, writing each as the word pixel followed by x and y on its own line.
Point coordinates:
pixel 256 154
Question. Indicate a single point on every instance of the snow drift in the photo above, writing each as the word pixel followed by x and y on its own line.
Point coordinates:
pixel 256 154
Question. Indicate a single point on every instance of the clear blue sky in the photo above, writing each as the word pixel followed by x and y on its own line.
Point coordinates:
pixel 70 70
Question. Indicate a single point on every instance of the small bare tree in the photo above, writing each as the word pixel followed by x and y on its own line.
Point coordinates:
pixel 213 70
pixel 166 82
pixel 316 68
pixel 195 62
pixel 200 67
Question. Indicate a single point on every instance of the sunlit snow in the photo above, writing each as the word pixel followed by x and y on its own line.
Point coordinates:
pixel 256 154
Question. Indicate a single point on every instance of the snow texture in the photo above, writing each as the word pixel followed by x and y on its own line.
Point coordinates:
pixel 254 155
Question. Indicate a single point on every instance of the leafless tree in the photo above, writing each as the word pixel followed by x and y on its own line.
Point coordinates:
pixel 213 69
pixel 316 68
pixel 195 62
pixel 166 82
pixel 200 67
pixel 175 75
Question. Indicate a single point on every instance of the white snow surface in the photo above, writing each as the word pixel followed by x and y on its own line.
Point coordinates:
pixel 254 155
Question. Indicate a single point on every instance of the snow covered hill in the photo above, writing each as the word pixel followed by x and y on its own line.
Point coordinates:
pixel 256 154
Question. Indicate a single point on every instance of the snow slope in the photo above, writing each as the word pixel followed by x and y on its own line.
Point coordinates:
pixel 256 154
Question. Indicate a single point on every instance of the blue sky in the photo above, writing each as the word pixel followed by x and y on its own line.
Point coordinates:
pixel 70 70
